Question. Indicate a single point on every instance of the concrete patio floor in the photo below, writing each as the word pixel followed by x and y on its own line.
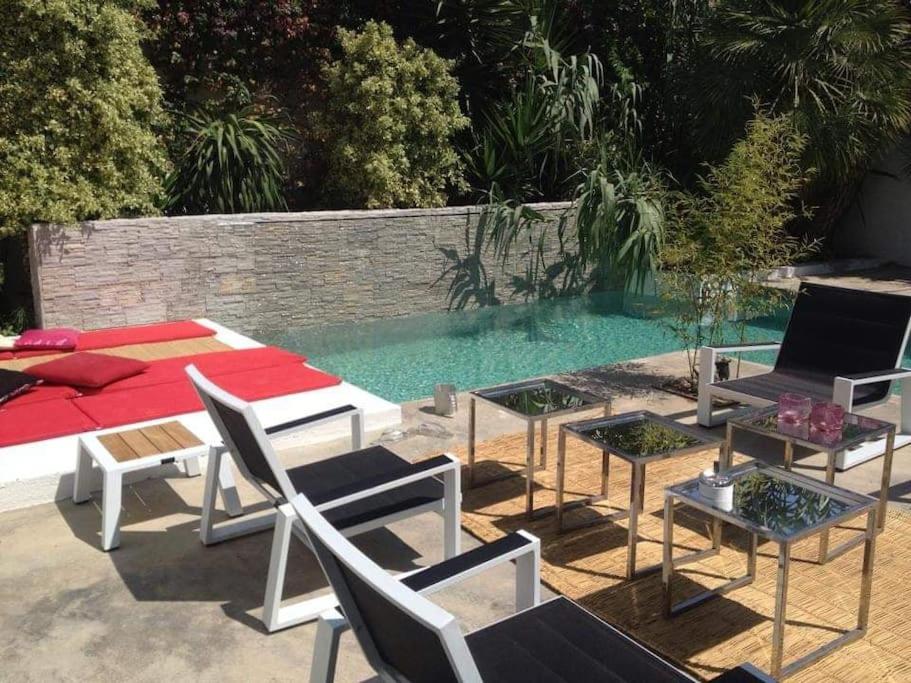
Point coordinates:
pixel 163 606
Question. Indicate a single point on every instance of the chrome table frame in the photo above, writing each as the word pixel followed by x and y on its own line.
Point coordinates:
pixel 637 479
pixel 861 505
pixel 743 423
pixel 486 396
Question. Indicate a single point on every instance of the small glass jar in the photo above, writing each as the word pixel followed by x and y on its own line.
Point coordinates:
pixel 827 417
pixel 793 408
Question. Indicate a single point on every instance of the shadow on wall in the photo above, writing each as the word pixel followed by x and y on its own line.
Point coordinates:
pixel 471 286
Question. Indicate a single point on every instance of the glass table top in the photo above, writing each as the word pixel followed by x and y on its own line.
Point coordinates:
pixel 538 399
pixel 637 436
pixel 779 504
pixel 856 428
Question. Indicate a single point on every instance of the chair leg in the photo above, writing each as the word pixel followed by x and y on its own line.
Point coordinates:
pixel 452 506
pixel 110 510
pixel 278 564
pixel 191 467
pixel 706 377
pixel 206 521
pixel 228 488
pixel 325 648
pixel 82 478
pixel 528 582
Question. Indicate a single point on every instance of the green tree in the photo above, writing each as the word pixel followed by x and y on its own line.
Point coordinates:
pixel 232 164
pixel 841 68
pixel 79 105
pixel 392 113
pixel 724 237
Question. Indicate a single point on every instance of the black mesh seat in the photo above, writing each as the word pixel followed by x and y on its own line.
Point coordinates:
pixel 773 384
pixel 560 641
pixel 340 475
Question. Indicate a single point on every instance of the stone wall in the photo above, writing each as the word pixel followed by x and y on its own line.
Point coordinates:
pixel 254 271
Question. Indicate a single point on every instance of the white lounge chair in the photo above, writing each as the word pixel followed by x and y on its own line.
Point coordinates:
pixel 358 491
pixel 405 637
pixel 841 345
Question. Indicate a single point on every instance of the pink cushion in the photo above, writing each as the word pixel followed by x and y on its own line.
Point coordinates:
pixel 142 334
pixel 87 369
pixel 39 421
pixel 57 339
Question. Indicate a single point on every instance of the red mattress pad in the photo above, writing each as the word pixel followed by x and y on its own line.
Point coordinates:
pixel 42 420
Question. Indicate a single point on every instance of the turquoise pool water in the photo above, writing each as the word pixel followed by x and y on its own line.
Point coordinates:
pixel 402 359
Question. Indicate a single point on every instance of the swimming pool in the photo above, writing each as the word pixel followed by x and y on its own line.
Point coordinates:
pixel 402 359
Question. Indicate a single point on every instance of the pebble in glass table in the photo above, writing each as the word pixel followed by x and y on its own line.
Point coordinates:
pixel 858 429
pixel 639 438
pixel 783 507
pixel 533 401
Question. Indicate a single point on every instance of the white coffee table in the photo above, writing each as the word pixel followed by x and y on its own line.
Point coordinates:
pixel 117 453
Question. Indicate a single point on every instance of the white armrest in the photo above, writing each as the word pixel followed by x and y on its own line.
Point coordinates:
pixel 737 348
pixel 874 377
pixel 356 415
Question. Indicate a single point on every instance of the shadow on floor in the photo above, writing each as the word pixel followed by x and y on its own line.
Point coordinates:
pixel 172 565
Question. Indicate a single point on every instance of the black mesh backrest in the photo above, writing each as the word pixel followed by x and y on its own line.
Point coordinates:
pixel 391 638
pixel 244 442
pixel 835 331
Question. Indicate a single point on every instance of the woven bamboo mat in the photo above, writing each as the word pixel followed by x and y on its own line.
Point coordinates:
pixel 146 352
pixel 588 566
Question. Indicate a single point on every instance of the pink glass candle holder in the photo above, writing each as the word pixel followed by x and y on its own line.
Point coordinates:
pixel 793 408
pixel 827 417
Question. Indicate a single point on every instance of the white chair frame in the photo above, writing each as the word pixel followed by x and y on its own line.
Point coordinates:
pixel 283 520
pixel 332 624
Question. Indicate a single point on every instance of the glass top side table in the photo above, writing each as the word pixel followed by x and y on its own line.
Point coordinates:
pixel 857 430
pixel 638 437
pixel 533 401
pixel 783 507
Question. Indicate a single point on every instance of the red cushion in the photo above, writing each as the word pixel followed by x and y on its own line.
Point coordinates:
pixel 142 334
pixel 87 369
pixel 39 421
pixel 210 364
pixel 112 409
pixel 56 339
pixel 43 392
pixel 145 403
pixel 254 385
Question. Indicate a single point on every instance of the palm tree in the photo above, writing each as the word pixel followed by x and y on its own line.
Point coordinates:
pixel 842 68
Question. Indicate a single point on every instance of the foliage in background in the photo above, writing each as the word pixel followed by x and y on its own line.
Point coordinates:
pixel 529 147
pixel 654 44
pixel 728 234
pixel 232 164
pixel 227 54
pixel 205 49
pixel 79 111
pixel 841 68
pixel 560 137
pixel 391 116
pixel 79 106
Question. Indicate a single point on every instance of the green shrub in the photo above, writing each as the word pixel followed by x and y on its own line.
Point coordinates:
pixel 724 237
pixel 232 164
pixel 78 107
pixel 841 68
pixel 392 112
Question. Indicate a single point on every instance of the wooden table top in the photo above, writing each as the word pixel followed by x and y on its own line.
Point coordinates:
pixel 157 439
